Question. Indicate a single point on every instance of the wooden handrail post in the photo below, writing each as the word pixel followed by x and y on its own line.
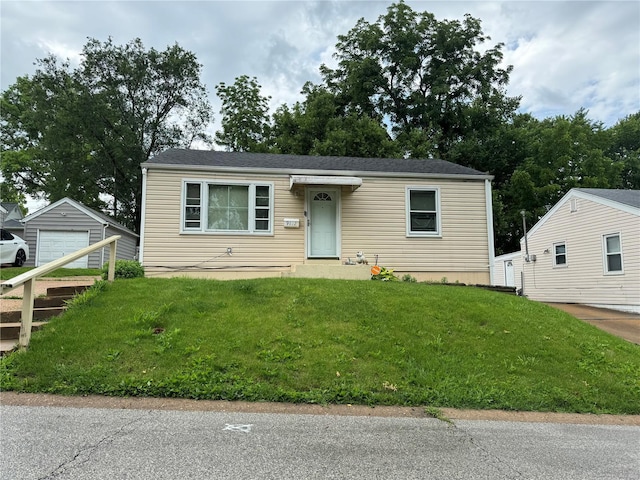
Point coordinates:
pixel 27 313
pixel 112 261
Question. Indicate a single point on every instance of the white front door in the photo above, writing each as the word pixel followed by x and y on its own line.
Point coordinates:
pixel 509 274
pixel 322 222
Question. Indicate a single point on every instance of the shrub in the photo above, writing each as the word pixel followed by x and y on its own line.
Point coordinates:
pixel 124 269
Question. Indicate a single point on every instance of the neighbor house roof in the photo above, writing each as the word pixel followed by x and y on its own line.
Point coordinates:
pixel 624 200
pixel 300 164
pixel 625 197
pixel 97 216
pixel 13 217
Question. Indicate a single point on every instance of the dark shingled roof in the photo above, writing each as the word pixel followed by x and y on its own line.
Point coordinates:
pixel 268 161
pixel 626 197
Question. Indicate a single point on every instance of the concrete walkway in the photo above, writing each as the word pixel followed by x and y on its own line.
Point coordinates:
pixel 622 324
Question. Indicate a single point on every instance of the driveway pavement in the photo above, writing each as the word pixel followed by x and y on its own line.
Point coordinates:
pixel 621 324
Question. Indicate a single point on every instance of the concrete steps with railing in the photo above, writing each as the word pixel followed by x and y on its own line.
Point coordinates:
pixel 44 308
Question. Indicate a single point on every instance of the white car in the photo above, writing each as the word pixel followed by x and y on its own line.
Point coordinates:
pixel 13 249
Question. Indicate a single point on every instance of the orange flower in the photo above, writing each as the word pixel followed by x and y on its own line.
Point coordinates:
pixel 375 270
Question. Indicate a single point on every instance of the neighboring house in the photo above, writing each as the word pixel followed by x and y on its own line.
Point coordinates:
pixel 233 214
pixel 66 226
pixel 10 218
pixel 586 250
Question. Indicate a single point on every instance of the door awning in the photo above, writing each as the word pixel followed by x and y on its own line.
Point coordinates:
pixel 353 182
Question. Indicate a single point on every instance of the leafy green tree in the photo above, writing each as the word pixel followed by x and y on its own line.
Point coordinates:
pixel 8 193
pixel 561 153
pixel 320 125
pixel 84 132
pixel 245 116
pixel 625 149
pixel 38 155
pixel 426 78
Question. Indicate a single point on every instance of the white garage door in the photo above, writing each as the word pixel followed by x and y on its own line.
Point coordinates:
pixel 55 244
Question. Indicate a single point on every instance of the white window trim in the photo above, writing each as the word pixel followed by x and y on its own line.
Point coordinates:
pixel 204 207
pixel 407 202
pixel 555 256
pixel 605 263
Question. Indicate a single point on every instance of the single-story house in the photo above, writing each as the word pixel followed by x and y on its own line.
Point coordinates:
pixel 11 218
pixel 66 226
pixel 585 249
pixel 239 215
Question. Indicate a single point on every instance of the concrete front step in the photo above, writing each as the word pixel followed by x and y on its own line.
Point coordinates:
pixel 38 314
pixel 44 308
pixel 11 330
pixel 338 272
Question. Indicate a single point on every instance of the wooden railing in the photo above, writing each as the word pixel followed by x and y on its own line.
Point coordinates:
pixel 27 279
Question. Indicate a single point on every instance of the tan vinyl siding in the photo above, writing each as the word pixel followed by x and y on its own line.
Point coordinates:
pixel 583 279
pixel 165 246
pixel 373 219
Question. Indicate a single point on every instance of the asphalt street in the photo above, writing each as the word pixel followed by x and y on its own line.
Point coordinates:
pixel 93 443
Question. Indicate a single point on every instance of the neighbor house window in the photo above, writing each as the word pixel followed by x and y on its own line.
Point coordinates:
pixel 559 254
pixel 228 207
pixel 612 253
pixel 423 211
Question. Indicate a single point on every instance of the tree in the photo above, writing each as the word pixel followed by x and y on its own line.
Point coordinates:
pixel 426 78
pixel 84 132
pixel 245 116
pixel 625 149
pixel 320 125
pixel 561 153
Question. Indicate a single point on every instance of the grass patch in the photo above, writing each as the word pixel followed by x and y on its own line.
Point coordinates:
pixel 9 272
pixel 327 341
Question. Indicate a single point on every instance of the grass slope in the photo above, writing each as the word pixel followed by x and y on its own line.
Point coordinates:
pixel 9 272
pixel 327 341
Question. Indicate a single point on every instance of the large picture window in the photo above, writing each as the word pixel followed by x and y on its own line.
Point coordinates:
pixel 227 207
pixel 612 253
pixel 423 211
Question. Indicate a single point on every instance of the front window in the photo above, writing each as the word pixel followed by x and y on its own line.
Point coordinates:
pixel 227 207
pixel 559 255
pixel 423 218
pixel 612 253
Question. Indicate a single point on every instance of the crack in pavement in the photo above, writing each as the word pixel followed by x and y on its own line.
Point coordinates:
pixel 84 455
pixel 491 458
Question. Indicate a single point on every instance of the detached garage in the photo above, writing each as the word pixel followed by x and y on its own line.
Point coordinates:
pixel 67 226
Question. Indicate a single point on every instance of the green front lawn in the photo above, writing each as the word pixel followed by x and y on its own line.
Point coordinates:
pixel 9 272
pixel 328 341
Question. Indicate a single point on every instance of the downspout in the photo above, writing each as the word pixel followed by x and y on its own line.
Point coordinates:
pixel 143 209
pixel 104 235
pixel 489 207
pixel 526 249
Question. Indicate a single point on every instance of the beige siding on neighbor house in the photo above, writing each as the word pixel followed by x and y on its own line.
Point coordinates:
pixel 372 219
pixel 583 279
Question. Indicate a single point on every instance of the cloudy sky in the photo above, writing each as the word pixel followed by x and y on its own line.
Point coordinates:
pixel 566 54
